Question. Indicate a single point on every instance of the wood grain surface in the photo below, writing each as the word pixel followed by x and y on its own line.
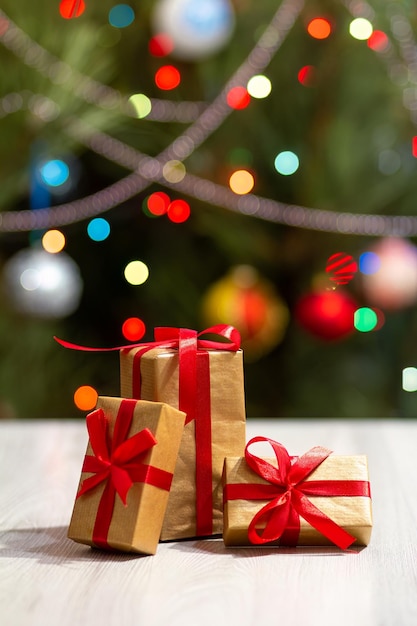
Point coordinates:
pixel 46 579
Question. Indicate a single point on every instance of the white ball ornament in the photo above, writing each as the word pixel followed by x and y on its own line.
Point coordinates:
pixel 394 285
pixel 198 28
pixel 42 284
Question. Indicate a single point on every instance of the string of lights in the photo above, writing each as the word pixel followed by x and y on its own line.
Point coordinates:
pixel 211 118
pixel 147 169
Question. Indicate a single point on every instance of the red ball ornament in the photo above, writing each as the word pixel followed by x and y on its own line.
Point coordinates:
pixel 327 315
pixel 341 268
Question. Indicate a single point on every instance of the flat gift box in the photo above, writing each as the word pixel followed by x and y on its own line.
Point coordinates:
pixel 135 527
pixel 353 513
pixel 159 372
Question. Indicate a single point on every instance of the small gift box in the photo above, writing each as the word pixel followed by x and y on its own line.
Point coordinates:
pixel 126 474
pixel 315 499
pixel 203 378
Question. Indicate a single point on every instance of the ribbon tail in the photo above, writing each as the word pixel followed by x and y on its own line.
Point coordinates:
pixel 321 522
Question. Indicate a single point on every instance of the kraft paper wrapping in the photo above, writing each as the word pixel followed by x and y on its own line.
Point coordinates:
pixel 159 373
pixel 137 526
pixel 354 514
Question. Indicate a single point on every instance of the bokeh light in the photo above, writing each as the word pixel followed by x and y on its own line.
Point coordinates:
pixel 98 229
pixel 389 162
pixel 319 28
pixel 378 41
pixel 174 171
pixel 167 77
pixel 136 272
pixel 133 329
pixel 365 319
pixel 53 241
pixel 160 45
pixel 369 263
pixel 55 172
pixel 121 16
pixel 157 203
pixel 259 86
pixel 241 182
pixel 409 376
pixel 286 163
pixel 307 75
pixel 85 398
pixel 179 211
pixel 141 104
pixel 69 9
pixel 360 28
pixel 238 98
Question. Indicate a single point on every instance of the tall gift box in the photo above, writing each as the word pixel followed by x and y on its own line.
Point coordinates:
pixel 203 378
pixel 316 499
pixel 126 475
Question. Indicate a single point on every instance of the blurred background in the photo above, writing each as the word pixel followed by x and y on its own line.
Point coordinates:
pixel 192 162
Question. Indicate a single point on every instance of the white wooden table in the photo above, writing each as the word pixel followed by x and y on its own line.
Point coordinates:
pixel 46 579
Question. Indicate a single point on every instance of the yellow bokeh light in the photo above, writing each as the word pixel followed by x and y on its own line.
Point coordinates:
pixel 360 28
pixel 136 272
pixel 259 86
pixel 174 171
pixel 141 104
pixel 53 241
pixel 241 182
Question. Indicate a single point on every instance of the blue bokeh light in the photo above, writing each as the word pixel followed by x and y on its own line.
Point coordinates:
pixel 369 263
pixel 55 172
pixel 286 163
pixel 98 229
pixel 121 15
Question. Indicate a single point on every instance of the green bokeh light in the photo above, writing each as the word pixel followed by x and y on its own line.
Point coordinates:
pixel 365 319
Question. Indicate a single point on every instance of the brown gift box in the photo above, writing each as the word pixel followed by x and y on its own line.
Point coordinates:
pixel 135 527
pixel 159 371
pixel 352 513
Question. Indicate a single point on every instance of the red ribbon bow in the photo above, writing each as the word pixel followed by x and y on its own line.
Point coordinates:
pixel 194 400
pixel 287 493
pixel 118 464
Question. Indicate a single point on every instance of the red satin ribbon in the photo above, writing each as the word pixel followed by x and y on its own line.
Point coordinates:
pixel 287 493
pixel 194 399
pixel 118 464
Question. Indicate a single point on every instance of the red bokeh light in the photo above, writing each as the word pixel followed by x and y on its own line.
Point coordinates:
pixel 71 8
pixel 179 211
pixel 167 77
pixel 160 45
pixel 238 98
pixel 158 203
pixel 307 75
pixel 378 41
pixel 133 329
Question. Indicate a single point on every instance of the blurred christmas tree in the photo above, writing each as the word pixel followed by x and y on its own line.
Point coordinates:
pixel 253 162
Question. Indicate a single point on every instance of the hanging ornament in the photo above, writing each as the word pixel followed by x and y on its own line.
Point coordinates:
pixel 69 9
pixel 328 315
pixel 197 28
pixel 250 303
pixel 393 285
pixel 42 284
pixel 341 268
